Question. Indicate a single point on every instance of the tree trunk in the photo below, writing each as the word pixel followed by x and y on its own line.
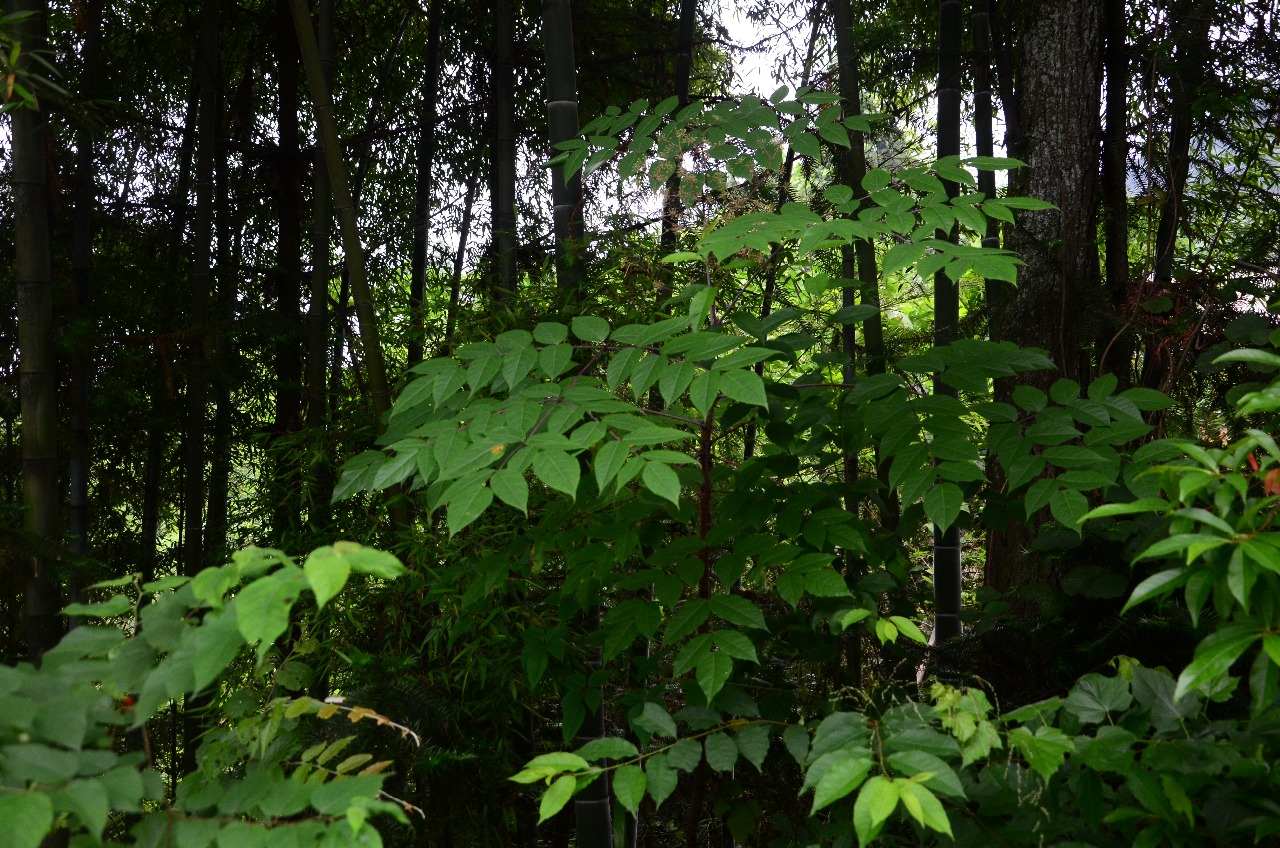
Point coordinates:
pixel 1115 195
pixel 38 384
pixel 422 192
pixel 288 283
pixel 322 101
pixel 1057 85
pixel 946 313
pixel 81 262
pixel 504 152
pixel 984 141
pixel 455 283
pixel 562 121
pixel 321 236
pixel 1055 126
pixel 193 558
pixel 671 199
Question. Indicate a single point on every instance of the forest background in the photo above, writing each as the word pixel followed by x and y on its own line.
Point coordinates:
pixel 424 420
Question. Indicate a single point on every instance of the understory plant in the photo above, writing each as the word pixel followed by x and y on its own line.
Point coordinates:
pixel 714 496
pixel 268 767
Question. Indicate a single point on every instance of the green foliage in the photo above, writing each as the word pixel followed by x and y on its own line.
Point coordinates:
pixel 74 736
pixel 1134 758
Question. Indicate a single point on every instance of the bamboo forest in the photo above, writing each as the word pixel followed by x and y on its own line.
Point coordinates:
pixel 640 423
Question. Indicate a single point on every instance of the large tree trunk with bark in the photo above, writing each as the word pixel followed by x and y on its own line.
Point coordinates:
pixel 1057 85
pixel 1052 105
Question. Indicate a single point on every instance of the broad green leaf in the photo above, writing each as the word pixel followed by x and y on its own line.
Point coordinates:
pixel 1214 657
pixel 660 778
pixel 558 470
pixel 722 751
pixel 629 784
pixel 744 386
pixel 844 776
pixel 1045 750
pixel 685 754
pixel 589 328
pixel 327 573
pixel 560 761
pixel 796 740
pixel 686 619
pixel 713 672
pixel 1133 507
pixel 825 583
pixel 559 793
pixel 925 808
pixel 908 627
pixel 607 748
pixel 876 179
pixel 736 609
pixel 660 479
pixel 1095 696
pixel 942 504
pixel 467 506
pixel 114 606
pixel 753 742
pixel 1069 508
pixel 609 460
pixel 262 607
pixel 214 644
pixel 1030 398
pixel 550 333
pixel 371 561
pixel 26 818
pixel 900 256
pixel 838 732
pixel 511 488
pixel 655 719
pixel 87 800
pixel 735 645
pixel 694 652
pixel 1156 585
pixel 1253 355
pixel 1271 645
pixel 944 778
pixel 876 802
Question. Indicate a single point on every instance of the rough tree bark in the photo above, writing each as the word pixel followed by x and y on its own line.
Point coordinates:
pixel 1050 92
